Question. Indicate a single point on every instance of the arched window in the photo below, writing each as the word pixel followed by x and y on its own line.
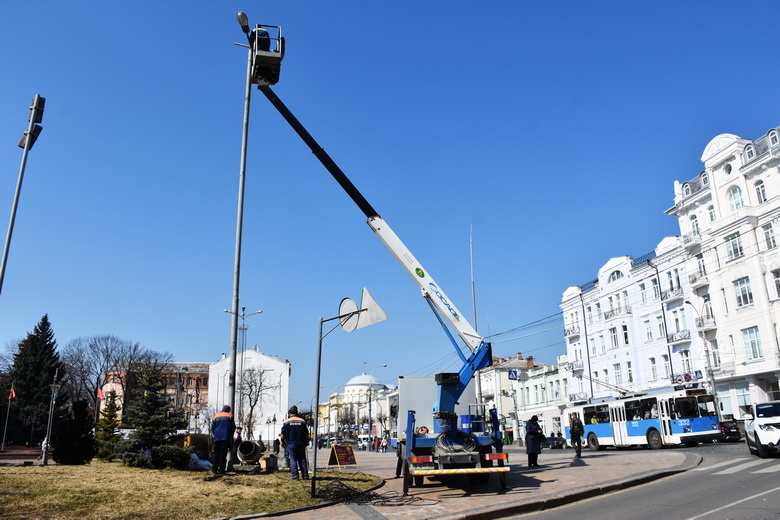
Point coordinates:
pixel 615 275
pixel 760 192
pixel 711 212
pixel 750 153
pixel 695 225
pixel 705 179
pixel 653 369
pixel 773 138
pixel 686 189
pixel 735 198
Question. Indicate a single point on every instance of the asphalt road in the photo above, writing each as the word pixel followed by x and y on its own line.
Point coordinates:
pixel 728 484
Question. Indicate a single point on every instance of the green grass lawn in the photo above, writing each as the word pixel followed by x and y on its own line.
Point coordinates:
pixel 112 491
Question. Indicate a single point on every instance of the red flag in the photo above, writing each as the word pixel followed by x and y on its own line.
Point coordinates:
pixel 13 394
pixel 101 395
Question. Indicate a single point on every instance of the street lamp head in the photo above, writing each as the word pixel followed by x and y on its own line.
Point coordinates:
pixel 243 21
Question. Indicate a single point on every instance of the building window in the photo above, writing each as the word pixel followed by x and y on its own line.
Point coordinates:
pixel 686 189
pixel 769 236
pixel 653 369
pixel 776 278
pixel 773 139
pixel 752 343
pixel 700 264
pixel 590 316
pixel 656 290
pixel 735 199
pixel 629 372
pixel 615 275
pixel 695 225
pixel 606 376
pixel 667 366
pixel 603 345
pixel 592 347
pixel 714 353
pixel 648 331
pixel 678 315
pixel 734 246
pixel 705 179
pixel 618 374
pixel 613 337
pixel 743 292
pixel 711 212
pixel 598 311
pixel 643 292
pixel 750 153
pixel 743 398
pixel 760 192
pixel 686 361
pixel 626 342
pixel 661 328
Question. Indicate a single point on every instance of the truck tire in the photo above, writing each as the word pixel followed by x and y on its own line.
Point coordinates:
pixel 593 442
pixel 654 441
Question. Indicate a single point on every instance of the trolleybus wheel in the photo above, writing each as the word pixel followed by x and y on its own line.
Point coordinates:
pixel 654 440
pixel 593 442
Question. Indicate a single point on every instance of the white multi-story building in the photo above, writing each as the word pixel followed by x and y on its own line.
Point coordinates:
pixel 729 216
pixel 262 391
pixel 702 308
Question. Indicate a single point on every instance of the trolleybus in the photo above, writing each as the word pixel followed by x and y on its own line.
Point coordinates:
pixel 659 419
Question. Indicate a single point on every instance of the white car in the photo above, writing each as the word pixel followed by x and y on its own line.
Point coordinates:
pixel 762 429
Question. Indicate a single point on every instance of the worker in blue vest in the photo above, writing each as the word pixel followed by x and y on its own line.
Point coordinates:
pixel 222 428
pixel 295 437
pixel 262 37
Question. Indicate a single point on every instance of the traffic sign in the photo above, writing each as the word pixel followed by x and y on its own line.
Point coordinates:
pixel 512 375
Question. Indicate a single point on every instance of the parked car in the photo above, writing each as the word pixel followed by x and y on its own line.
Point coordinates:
pixel 729 432
pixel 762 428
pixel 364 442
pixel 554 443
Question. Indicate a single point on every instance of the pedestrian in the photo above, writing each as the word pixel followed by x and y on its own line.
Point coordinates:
pixel 383 445
pixel 237 440
pixel 576 429
pixel 276 446
pixel 295 436
pixel 222 429
pixel 533 441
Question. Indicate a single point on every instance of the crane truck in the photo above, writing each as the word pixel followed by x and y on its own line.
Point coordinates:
pixel 447 450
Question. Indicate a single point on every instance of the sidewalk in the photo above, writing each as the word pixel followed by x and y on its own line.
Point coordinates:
pixel 562 479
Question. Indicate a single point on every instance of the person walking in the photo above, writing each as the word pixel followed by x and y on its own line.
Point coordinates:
pixel 295 437
pixel 533 441
pixel 576 429
pixel 222 428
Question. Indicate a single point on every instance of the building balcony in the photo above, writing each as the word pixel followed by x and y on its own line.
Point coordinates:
pixel 698 280
pixel 614 313
pixel 724 368
pixel 681 336
pixel 578 397
pixel 571 332
pixel 577 364
pixel 670 296
pixel 691 240
pixel 706 323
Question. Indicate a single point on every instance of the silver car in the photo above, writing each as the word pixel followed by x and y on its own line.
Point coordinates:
pixel 762 429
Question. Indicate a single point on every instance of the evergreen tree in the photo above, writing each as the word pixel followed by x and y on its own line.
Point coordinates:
pixel 72 439
pixel 34 367
pixel 154 425
pixel 107 436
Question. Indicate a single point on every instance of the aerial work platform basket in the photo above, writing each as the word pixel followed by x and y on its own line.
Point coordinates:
pixel 267 46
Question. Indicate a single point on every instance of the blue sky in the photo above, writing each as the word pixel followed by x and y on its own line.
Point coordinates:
pixel 555 129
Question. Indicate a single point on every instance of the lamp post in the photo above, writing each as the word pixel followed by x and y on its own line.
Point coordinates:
pixel 370 387
pixel 54 388
pixel 710 373
pixel 243 329
pixel 231 398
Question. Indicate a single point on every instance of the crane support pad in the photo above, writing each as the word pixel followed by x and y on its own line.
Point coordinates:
pixel 458 471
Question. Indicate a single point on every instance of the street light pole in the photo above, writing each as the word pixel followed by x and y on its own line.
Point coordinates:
pixel 710 373
pixel 47 441
pixel 231 398
pixel 243 329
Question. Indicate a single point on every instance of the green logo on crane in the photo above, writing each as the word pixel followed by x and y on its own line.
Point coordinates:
pixel 420 272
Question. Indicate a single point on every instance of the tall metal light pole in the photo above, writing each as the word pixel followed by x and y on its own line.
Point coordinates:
pixel 54 388
pixel 231 397
pixel 243 329
pixel 33 130
pixel 370 387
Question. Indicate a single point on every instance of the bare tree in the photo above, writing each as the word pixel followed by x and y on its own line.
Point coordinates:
pixel 256 386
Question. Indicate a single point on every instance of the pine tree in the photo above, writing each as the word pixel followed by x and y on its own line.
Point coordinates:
pixel 107 436
pixel 34 367
pixel 72 439
pixel 153 423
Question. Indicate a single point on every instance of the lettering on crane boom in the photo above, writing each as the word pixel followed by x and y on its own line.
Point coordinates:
pixel 438 293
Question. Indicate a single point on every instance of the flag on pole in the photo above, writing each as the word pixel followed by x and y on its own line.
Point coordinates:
pixel 12 395
pixel 101 395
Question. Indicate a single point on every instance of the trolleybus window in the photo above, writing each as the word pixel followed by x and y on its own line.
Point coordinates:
pixel 706 405
pixel 596 414
pixel 686 407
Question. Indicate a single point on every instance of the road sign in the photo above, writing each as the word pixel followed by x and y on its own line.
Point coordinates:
pixel 512 375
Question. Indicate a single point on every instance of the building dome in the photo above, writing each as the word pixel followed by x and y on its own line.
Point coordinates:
pixel 366 381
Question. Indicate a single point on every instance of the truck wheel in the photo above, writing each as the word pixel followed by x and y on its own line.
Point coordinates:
pixel 654 441
pixel 593 442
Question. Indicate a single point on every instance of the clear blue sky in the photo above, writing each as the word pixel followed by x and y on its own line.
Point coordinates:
pixel 556 129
